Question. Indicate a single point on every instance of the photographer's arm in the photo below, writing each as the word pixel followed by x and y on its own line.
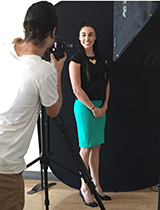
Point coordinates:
pixel 54 110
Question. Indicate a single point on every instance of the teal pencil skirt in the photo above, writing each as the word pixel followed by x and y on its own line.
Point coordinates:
pixel 91 130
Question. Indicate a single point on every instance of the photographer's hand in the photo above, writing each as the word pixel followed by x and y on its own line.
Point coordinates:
pixel 58 64
pixel 17 40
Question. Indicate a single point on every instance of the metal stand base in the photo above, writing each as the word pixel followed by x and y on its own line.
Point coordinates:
pixel 39 187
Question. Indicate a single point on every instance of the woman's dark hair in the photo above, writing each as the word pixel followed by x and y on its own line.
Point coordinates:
pixel 40 20
pixel 95 47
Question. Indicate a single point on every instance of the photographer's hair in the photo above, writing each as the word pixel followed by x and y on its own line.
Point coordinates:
pixel 40 20
pixel 95 47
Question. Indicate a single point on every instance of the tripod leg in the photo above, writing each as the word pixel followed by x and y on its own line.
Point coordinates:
pixel 46 154
pixel 46 202
pixel 43 137
pixel 39 186
pixel 80 164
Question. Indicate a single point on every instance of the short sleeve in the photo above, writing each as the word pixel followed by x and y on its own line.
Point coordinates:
pixel 48 89
pixel 76 58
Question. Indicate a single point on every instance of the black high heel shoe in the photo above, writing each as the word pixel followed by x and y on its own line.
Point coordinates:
pixel 105 197
pixel 93 204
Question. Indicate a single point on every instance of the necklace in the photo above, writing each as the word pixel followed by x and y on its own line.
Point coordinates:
pixel 93 60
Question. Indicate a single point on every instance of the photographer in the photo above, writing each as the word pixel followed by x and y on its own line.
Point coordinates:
pixel 26 81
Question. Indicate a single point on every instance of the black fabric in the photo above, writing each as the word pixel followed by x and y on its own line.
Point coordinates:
pixel 95 86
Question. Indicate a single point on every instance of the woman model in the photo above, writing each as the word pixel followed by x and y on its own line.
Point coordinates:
pixel 89 79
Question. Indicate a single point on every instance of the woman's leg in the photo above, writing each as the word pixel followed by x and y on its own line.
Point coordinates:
pixel 94 167
pixel 85 153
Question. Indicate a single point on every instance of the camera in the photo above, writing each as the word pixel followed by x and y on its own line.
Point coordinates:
pixel 58 47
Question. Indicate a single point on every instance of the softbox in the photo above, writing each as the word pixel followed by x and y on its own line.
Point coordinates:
pixel 137 33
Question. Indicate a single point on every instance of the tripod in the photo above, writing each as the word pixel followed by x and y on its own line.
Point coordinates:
pixel 83 172
pixel 43 136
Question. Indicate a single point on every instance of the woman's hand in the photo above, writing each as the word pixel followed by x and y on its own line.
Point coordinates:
pixel 104 109
pixel 97 112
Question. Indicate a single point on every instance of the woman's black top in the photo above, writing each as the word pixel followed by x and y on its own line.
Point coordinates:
pixel 95 85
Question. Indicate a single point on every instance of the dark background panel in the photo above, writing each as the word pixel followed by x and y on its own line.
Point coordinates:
pixel 130 157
